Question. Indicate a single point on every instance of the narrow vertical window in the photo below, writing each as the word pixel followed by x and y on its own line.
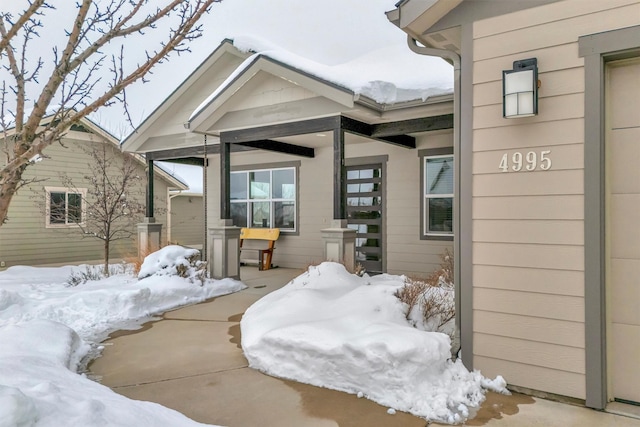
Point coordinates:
pixel 438 194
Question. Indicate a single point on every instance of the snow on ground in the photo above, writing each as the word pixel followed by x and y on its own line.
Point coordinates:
pixel 49 329
pixel 336 330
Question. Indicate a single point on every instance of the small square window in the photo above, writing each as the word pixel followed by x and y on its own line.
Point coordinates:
pixel 64 207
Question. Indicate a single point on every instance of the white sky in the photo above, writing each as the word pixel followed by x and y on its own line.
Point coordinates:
pixel 329 32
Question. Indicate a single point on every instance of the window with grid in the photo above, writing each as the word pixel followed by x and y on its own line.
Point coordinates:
pixel 264 198
pixel 438 171
pixel 64 207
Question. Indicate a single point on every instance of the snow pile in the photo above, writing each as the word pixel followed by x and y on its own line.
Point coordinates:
pixel 39 387
pixel 173 260
pixel 48 330
pixel 333 329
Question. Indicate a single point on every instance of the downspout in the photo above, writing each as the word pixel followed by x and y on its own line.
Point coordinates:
pixel 454 59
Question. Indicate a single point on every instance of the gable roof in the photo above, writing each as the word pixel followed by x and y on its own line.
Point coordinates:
pixel 381 80
pixel 92 128
pixel 137 137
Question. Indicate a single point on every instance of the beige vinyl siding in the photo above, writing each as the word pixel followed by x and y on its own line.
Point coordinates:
pixel 187 220
pixel 405 252
pixel 528 229
pixel 25 240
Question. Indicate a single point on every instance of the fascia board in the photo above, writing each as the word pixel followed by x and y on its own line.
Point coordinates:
pixel 415 17
pixel 136 138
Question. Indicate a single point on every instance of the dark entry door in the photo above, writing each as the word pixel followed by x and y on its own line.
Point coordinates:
pixel 365 206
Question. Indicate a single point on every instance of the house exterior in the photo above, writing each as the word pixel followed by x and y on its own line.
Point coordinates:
pixel 549 226
pixel 187 219
pixel 35 236
pixel 290 149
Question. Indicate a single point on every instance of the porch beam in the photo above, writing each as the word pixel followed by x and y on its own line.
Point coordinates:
pixel 281 130
pixel 360 128
pixel 191 152
pixel 424 124
pixel 280 147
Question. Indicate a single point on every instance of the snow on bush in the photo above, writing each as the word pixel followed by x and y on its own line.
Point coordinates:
pixel 336 330
pixel 430 303
pixel 174 260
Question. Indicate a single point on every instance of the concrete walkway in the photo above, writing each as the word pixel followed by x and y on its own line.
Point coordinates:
pixel 191 361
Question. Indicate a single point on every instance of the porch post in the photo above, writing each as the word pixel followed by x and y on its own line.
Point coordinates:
pixel 339 240
pixel 149 232
pixel 224 239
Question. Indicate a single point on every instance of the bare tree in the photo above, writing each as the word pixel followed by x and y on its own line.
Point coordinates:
pixel 77 84
pixel 112 204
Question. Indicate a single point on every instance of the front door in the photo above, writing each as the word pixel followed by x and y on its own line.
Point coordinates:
pixel 623 228
pixel 365 208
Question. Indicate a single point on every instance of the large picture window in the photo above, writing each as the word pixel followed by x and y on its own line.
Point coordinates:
pixel 64 207
pixel 264 198
pixel 438 193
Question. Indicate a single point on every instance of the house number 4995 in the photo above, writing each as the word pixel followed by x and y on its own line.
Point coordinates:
pixel 529 161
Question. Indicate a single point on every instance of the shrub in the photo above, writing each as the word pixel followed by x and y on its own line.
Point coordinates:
pixel 95 272
pixel 174 260
pixel 431 302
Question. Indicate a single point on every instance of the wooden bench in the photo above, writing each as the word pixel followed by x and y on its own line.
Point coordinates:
pixel 269 235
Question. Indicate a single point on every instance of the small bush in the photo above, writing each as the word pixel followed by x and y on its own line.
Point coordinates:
pixel 431 301
pixel 94 273
pixel 174 260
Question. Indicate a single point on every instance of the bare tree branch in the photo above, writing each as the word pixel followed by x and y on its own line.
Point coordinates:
pixel 74 88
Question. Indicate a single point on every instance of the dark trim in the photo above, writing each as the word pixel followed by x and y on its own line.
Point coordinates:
pixel 193 161
pixel 425 124
pixel 597 50
pixel 271 165
pixel 368 160
pixel 280 147
pixel 360 128
pixel 324 124
pixel 190 152
pixel 225 180
pixel 441 151
pixel 339 176
pixel 149 192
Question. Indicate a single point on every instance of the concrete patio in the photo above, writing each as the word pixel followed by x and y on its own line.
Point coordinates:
pixel 191 361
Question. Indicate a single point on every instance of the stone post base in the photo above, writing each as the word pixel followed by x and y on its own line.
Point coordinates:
pixel 149 237
pixel 340 244
pixel 224 251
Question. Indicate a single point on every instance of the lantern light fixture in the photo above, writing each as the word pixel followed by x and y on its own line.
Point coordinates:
pixel 520 89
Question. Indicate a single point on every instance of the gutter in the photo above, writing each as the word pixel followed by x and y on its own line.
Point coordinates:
pixel 454 59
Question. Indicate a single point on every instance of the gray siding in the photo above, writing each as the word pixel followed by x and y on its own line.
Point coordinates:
pixel 25 240
pixel 187 220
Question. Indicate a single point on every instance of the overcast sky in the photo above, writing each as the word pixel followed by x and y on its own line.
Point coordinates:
pixel 327 31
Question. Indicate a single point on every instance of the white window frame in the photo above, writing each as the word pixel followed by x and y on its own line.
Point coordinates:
pixel 67 191
pixel 425 157
pixel 271 200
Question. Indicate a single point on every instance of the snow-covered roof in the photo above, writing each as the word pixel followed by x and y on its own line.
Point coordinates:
pixel 387 76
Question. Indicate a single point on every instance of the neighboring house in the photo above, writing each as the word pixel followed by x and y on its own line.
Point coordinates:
pixel 304 145
pixel 550 203
pixel 36 236
pixel 187 219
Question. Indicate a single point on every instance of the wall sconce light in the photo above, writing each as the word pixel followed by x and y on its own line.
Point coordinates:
pixel 520 89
